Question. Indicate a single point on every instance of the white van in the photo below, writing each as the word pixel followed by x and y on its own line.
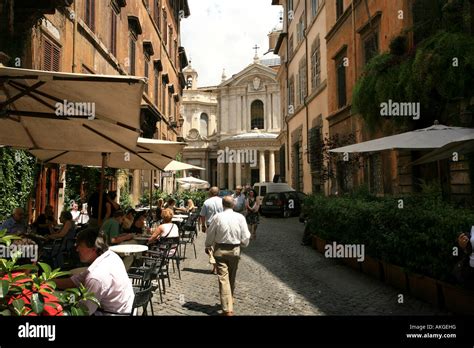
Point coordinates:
pixel 262 188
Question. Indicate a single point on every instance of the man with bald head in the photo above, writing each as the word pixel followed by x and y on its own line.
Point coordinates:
pixel 210 208
pixel 227 232
pixel 15 224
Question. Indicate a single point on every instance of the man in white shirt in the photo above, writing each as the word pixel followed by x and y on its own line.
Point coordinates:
pixel 106 277
pixel 239 200
pixel 227 233
pixel 210 208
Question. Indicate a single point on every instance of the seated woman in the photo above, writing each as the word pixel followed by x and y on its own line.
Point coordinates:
pixel 128 219
pixel 68 226
pixel 111 206
pixel 138 223
pixel 190 207
pixel 167 229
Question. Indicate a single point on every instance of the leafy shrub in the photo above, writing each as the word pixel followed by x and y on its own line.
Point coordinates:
pixel 24 291
pixel 419 237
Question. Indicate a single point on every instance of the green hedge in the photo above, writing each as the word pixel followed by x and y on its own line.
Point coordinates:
pixel 420 237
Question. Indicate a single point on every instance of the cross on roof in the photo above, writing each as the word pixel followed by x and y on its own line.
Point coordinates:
pixel 256 49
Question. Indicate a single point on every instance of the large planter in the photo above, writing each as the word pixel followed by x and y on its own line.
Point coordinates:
pixel 320 244
pixel 395 276
pixel 352 263
pixel 457 299
pixel 424 288
pixel 371 267
pixel 313 243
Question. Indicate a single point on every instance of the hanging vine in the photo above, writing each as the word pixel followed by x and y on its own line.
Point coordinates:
pixel 17 174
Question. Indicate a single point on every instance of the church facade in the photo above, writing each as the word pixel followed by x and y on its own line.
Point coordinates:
pixel 232 129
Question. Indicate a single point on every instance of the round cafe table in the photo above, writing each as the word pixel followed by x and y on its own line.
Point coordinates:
pixel 128 249
pixel 180 216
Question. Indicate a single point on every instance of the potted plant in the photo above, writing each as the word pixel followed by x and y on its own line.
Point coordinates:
pixel 24 291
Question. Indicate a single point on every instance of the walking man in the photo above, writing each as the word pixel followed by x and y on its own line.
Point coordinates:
pixel 227 233
pixel 210 208
pixel 239 200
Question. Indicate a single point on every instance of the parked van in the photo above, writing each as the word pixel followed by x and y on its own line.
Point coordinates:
pixel 262 188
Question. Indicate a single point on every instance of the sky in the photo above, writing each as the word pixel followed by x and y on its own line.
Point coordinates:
pixel 221 33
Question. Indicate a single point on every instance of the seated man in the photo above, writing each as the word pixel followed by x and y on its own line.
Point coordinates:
pixel 128 219
pixel 111 229
pixel 106 277
pixel 15 223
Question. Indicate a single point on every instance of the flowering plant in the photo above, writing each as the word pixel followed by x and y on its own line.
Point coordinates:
pixel 24 291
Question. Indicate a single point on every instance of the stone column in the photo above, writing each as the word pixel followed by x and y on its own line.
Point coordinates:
pixel 262 165
pixel 231 176
pixel 271 166
pixel 238 174
pixel 136 187
pixel 220 175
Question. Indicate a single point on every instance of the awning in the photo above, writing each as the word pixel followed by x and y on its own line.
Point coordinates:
pixel 61 111
pixel 448 151
pixel 433 137
pixel 176 165
pixel 119 160
pixel 191 182
pixel 40 94
pixel 157 155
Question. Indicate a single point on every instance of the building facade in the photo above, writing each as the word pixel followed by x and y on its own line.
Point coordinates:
pixel 303 82
pixel 110 37
pixel 232 129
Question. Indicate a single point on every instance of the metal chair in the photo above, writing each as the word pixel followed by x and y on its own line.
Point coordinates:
pixel 142 299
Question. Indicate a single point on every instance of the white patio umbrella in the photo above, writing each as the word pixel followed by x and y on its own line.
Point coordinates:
pixel 448 151
pixel 176 165
pixel 433 137
pixel 192 182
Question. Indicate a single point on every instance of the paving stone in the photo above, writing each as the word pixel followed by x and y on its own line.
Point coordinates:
pixel 279 276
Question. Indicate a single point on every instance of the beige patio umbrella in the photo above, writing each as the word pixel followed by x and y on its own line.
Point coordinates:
pixel 460 147
pixel 433 137
pixel 69 112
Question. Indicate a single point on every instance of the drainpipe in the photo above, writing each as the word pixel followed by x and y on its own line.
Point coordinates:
pixel 287 98
pixel 74 40
pixel 307 84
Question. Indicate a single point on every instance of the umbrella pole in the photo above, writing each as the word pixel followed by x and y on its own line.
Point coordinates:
pixel 151 189
pixel 101 191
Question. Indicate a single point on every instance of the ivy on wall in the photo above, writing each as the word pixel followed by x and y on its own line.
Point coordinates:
pixel 438 73
pixel 17 175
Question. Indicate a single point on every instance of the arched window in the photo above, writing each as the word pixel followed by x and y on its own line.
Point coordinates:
pixel 204 122
pixel 256 115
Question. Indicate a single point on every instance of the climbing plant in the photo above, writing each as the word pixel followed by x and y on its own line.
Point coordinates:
pixel 437 73
pixel 17 175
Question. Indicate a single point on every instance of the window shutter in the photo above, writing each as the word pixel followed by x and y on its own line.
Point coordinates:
pixel 47 55
pixel 56 59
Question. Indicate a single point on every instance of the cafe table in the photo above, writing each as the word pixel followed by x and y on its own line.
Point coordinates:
pixel 128 249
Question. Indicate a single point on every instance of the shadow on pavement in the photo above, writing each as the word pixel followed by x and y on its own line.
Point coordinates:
pixel 195 270
pixel 204 308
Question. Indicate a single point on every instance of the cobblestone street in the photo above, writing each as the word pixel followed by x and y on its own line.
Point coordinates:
pixel 278 276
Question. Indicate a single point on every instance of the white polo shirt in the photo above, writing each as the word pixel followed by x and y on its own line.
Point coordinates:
pixel 107 278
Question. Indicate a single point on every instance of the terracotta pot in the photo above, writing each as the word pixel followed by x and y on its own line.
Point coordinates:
pixel 371 267
pixel 320 244
pixel 424 288
pixel 457 299
pixel 395 276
